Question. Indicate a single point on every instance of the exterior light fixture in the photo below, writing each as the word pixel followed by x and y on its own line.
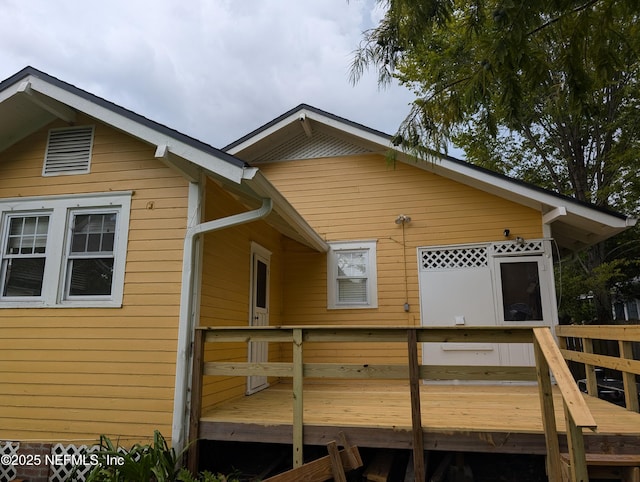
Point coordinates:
pixel 403 219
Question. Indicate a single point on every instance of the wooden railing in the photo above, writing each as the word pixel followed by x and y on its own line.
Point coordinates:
pixel 548 358
pixel 625 336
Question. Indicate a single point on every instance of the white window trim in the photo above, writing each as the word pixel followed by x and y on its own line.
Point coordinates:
pixel 332 274
pixel 59 209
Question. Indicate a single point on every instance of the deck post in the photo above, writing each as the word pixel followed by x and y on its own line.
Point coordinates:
pixel 196 401
pixel 577 456
pixel 416 415
pixel 628 378
pixel 298 401
pixel 548 414
pixel 590 370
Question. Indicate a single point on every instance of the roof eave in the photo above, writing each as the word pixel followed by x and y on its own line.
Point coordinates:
pixel 605 223
pixel 64 100
pixel 302 231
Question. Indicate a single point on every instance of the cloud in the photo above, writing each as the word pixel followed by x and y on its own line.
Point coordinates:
pixel 213 69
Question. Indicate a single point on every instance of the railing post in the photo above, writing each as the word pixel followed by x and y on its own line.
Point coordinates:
pixel 548 414
pixel 628 378
pixel 196 400
pixel 575 441
pixel 416 414
pixel 590 370
pixel 298 401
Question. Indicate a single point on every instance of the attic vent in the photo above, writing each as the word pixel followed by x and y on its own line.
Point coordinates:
pixel 68 151
pixel 320 145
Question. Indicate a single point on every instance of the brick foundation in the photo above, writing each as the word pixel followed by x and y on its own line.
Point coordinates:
pixel 34 473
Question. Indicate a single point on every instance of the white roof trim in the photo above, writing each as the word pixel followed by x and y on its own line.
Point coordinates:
pixel 496 184
pixel 147 134
pixel 261 185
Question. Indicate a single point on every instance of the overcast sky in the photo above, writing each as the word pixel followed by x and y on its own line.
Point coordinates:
pixel 212 69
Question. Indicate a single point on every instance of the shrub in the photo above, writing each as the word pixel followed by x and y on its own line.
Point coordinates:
pixel 156 462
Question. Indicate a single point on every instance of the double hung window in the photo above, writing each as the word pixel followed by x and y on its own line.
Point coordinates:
pixel 24 255
pixel 352 275
pixel 64 251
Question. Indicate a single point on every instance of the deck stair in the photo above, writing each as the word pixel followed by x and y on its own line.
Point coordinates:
pixel 379 468
pixel 330 467
pixel 607 466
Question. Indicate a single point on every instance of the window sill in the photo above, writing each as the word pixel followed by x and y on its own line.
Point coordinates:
pixel 65 304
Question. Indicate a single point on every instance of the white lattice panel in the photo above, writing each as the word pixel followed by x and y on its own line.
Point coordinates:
pixel 514 249
pixel 319 145
pixel 8 472
pixel 71 456
pixel 453 258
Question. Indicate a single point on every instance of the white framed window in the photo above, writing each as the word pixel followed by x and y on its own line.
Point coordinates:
pixel 24 254
pixel 64 250
pixel 352 275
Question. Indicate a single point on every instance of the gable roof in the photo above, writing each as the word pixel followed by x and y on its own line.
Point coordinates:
pixel 31 99
pixel 307 132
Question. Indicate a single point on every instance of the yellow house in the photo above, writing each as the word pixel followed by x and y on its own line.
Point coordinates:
pixel 119 235
pixel 432 243
pixel 103 222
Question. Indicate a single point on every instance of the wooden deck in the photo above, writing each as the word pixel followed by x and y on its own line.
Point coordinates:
pixel 388 406
pixel 473 418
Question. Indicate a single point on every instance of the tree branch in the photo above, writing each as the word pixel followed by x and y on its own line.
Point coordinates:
pixel 560 17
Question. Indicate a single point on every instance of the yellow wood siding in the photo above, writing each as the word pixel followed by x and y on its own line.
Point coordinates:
pixel 226 286
pixel 359 198
pixel 71 374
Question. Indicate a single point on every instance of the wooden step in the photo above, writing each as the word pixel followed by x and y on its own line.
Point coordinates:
pixel 380 467
pixel 610 466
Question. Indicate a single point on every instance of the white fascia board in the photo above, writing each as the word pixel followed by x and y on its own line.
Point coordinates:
pixel 306 114
pixel 142 132
pixel 518 192
pixel 267 132
pixel 263 188
pixel 52 106
pixel 10 91
pixel 383 141
pixel 456 171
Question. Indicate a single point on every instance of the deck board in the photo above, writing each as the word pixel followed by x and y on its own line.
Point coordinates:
pixel 455 413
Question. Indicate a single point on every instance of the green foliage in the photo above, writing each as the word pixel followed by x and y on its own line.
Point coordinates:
pixel 551 83
pixel 155 462
pixel 583 290
pixel 547 91
pixel 206 476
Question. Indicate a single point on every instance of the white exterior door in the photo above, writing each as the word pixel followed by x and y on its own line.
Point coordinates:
pixel 259 312
pixel 491 284
pixel 523 298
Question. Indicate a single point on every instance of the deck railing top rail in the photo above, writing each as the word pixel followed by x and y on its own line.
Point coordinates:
pixel 601 332
pixel 583 352
pixel 548 358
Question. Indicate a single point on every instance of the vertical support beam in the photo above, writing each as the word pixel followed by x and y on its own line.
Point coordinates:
pixel 416 415
pixel 575 441
pixel 590 370
pixel 196 400
pixel 629 379
pixel 298 401
pixel 336 462
pixel 545 393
